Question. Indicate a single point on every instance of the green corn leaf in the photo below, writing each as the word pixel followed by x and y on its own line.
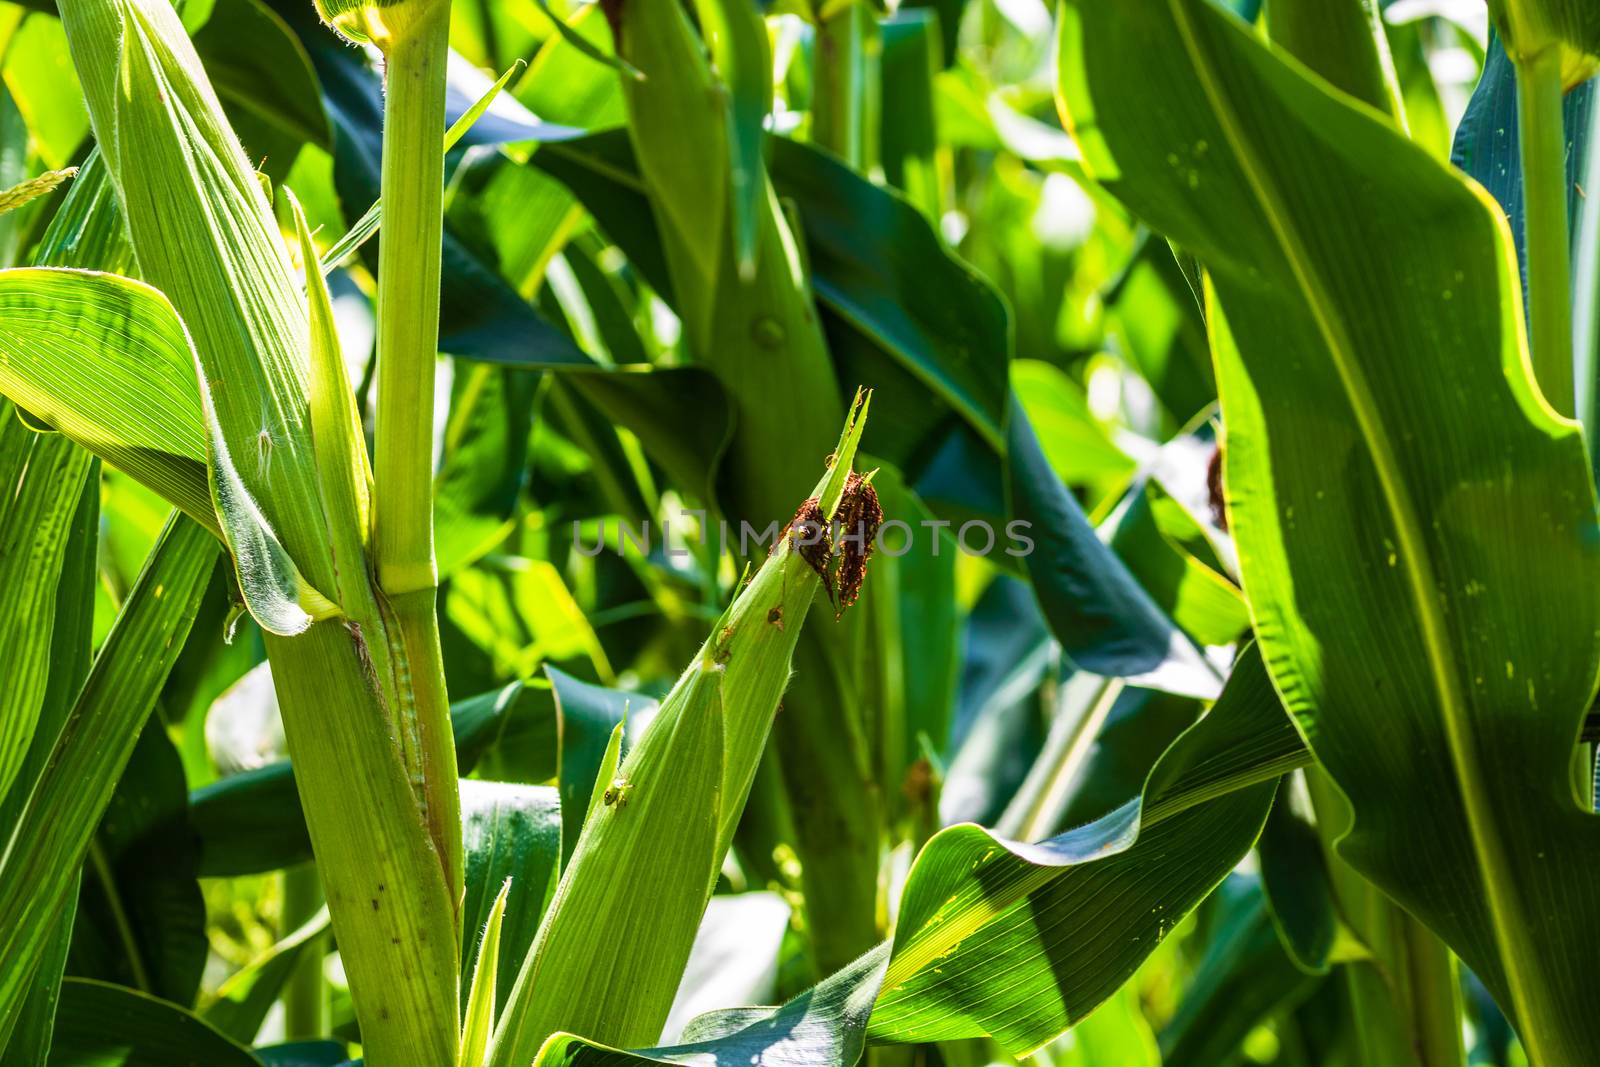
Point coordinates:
pixel 206 237
pixel 478 1019
pixel 1244 978
pixel 678 122
pixel 1295 880
pixel 71 648
pixel 823 1027
pixel 1444 691
pixel 344 476
pixel 35 523
pixel 40 865
pixel 1487 141
pixel 588 48
pixel 263 75
pixel 141 917
pixel 1104 619
pixel 1195 595
pixel 103 1025
pixel 913 160
pixel 510 834
pixel 594 721
pixel 243 1001
pixel 975 905
pixel 140 348
pixel 1344 42
pixel 602 792
pixel 1017 941
pixel 103 359
pixel 88 231
pixel 651 835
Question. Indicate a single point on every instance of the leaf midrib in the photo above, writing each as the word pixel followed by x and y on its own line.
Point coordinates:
pixel 1493 869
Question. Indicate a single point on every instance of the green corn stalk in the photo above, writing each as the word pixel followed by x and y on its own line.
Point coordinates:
pixel 846 80
pixel 357 669
pixel 414 38
pixel 746 305
pixel 659 825
pixel 1554 45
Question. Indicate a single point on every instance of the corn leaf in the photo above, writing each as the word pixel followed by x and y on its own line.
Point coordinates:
pixel 206 237
pixel 478 1018
pixel 653 835
pixel 1104 619
pixel 141 916
pixel 511 838
pixel 678 118
pixel 154 436
pixel 71 648
pixel 344 476
pixel 593 720
pixel 101 1025
pixel 666 819
pixel 252 822
pixel 736 36
pixel 35 523
pixel 86 231
pixel 39 868
pixel 1018 941
pixel 1244 978
pixel 264 79
pixel 104 360
pixel 1443 691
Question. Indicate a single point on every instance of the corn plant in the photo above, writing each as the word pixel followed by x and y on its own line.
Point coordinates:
pixel 531 530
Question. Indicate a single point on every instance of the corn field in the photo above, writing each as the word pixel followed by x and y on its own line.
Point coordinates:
pixel 915 533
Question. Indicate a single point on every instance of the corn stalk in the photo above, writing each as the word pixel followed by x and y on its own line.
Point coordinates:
pixel 355 664
pixel 748 314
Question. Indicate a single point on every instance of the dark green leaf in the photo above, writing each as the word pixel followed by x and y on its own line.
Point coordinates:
pixel 508 831
pixel 141 918
pixel 102 1025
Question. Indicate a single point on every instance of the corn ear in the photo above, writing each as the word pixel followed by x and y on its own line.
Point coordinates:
pixel 601 962
pixel 601 967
